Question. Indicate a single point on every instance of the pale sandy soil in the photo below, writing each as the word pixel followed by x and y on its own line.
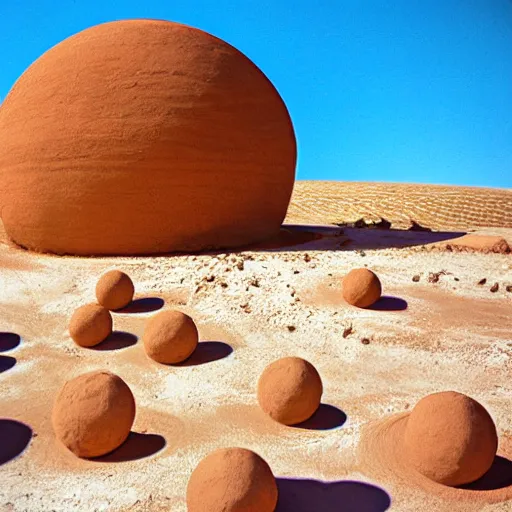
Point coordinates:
pixel 449 335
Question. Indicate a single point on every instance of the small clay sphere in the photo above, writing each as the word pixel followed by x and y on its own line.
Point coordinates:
pixel 361 288
pixel 114 290
pixel 90 325
pixel 170 337
pixel 290 390
pixel 232 480
pixel 450 438
pixel 93 414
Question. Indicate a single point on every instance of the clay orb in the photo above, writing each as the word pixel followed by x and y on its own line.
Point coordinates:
pixel 170 337
pixel 114 290
pixel 232 480
pixel 290 390
pixel 144 136
pixel 361 288
pixel 93 414
pixel 90 325
pixel 450 438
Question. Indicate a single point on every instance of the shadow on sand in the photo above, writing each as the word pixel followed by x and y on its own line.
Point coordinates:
pixel 137 446
pixel 297 495
pixel 327 417
pixel 143 305
pixel 14 438
pixel 116 341
pixel 498 477
pixel 387 303
pixel 6 363
pixel 207 352
pixel 8 341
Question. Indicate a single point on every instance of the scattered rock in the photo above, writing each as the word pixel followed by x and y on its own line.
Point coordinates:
pixel 482 281
pixel 292 328
pixel 416 278
pixel 307 258
pixel 254 282
pixel 418 227
pixel 433 277
pixel 365 341
pixel 245 307
pixel 348 331
pixel 296 272
pixel 210 279
pixel 509 288
pixel 495 287
pixel 240 265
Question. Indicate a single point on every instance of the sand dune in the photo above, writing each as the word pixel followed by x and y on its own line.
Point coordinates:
pixel 435 206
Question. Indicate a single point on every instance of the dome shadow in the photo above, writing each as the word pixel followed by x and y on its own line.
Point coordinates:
pixel 8 341
pixel 137 446
pixel 116 340
pixel 388 303
pixel 499 476
pixel 207 352
pixel 6 363
pixel 327 417
pixel 143 305
pixel 296 495
pixel 14 438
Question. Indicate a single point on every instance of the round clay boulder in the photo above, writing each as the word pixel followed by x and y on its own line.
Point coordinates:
pixel 170 337
pixel 143 136
pixel 290 390
pixel 90 325
pixel 450 438
pixel 361 288
pixel 232 480
pixel 93 414
pixel 114 290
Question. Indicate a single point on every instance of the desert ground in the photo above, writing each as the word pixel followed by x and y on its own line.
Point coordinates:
pixel 435 329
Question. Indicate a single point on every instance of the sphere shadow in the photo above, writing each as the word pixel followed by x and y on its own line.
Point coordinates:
pixel 207 352
pixel 117 340
pixel 6 363
pixel 14 438
pixel 137 446
pixel 297 495
pixel 387 303
pixel 327 417
pixel 143 305
pixel 499 476
pixel 8 341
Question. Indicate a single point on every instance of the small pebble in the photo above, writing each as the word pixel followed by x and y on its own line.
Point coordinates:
pixel 495 287
pixel 482 281
pixel 509 288
pixel 365 341
pixel 416 278
pixel 291 328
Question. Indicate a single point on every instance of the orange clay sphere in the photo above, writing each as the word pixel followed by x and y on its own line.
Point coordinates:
pixel 450 438
pixel 114 290
pixel 170 337
pixel 90 325
pixel 232 480
pixel 140 137
pixel 290 390
pixel 93 414
pixel 361 288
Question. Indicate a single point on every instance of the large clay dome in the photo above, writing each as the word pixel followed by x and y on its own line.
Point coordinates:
pixel 143 136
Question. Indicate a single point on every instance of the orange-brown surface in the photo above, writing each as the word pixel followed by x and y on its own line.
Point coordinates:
pixel 441 325
pixel 143 136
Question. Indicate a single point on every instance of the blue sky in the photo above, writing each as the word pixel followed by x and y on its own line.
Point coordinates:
pixel 398 90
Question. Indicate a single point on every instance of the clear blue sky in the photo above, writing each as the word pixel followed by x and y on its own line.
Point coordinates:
pixel 398 90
